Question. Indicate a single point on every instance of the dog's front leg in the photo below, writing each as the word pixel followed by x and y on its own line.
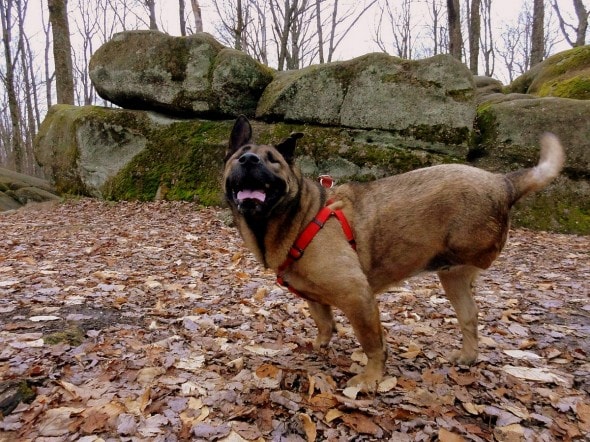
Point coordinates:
pixel 324 320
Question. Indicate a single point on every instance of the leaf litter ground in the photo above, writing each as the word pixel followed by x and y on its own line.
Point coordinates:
pixel 150 321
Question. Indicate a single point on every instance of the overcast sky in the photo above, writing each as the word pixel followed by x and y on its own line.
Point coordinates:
pixel 358 42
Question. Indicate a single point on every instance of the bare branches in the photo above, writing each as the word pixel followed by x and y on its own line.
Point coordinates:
pixel 580 30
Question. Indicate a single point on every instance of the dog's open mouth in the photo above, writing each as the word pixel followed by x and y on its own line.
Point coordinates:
pixel 247 194
pixel 252 200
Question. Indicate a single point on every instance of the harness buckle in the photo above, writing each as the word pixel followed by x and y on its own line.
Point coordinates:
pixel 295 252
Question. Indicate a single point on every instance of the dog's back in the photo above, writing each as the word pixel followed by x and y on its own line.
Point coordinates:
pixel 440 216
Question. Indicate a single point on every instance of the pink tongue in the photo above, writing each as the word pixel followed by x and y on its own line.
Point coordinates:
pixel 251 194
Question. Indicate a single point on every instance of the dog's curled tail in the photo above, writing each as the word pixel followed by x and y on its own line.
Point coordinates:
pixel 550 164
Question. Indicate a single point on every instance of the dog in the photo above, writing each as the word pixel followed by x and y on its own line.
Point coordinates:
pixel 450 219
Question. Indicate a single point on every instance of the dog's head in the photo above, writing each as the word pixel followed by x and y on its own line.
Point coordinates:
pixel 258 178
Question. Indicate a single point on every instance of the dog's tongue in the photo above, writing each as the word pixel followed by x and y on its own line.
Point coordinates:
pixel 251 194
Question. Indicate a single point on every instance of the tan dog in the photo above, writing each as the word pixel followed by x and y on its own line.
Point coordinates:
pixel 452 219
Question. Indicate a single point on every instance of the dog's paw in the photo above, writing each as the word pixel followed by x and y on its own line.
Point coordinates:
pixel 460 357
pixel 365 382
pixel 321 343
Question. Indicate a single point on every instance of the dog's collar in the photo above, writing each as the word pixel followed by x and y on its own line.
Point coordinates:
pixel 307 235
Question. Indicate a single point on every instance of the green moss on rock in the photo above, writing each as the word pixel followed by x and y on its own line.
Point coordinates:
pixel 182 160
pixel 73 336
pixel 565 75
pixel 577 87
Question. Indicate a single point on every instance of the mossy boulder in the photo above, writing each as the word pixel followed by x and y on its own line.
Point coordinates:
pixel 127 154
pixel 17 190
pixel 565 75
pixel 429 100
pixel 182 159
pixel 136 155
pixel 509 127
pixel 187 76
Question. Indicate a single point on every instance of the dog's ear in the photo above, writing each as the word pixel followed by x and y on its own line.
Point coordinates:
pixel 241 134
pixel 288 145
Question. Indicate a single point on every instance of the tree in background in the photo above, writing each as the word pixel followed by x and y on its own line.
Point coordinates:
pixel 12 133
pixel 197 15
pixel 62 50
pixel 538 32
pixel 331 28
pixel 151 7
pixel 398 17
pixel 487 39
pixel 438 32
pixel 455 36
pixel 580 30
pixel 474 31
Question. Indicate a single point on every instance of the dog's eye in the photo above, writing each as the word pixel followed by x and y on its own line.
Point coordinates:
pixel 273 159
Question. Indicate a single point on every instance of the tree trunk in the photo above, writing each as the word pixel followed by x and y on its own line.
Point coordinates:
pixel 239 30
pixel 151 5
pixel 9 82
pixel 182 18
pixel 582 27
pixel 197 14
pixel 538 33
pixel 62 51
pixel 582 14
pixel 474 36
pixel 455 38
pixel 318 17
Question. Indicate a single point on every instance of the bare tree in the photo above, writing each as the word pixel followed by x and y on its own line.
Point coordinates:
pixel 8 78
pixel 234 17
pixel 257 32
pixel 291 23
pixel 438 32
pixel 197 15
pixel 400 22
pixel 86 24
pixel 62 51
pixel 514 44
pixel 474 35
pixel 333 27
pixel 487 39
pixel 455 37
pixel 318 16
pixel 182 17
pixel 151 6
pixel 580 30
pixel 538 32
pixel 29 89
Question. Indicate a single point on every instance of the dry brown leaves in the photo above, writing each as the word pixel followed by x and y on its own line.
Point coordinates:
pixel 149 321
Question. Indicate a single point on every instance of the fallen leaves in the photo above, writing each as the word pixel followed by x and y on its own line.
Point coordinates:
pixel 149 321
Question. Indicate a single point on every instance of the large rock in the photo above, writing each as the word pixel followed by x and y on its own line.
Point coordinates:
pixel 187 76
pixel 565 75
pixel 122 154
pixel 17 189
pixel 127 154
pixel 430 100
pixel 509 127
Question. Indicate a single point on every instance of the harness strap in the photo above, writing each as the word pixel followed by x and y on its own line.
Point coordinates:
pixel 307 235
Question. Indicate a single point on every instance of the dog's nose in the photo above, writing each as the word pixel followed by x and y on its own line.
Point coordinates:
pixel 249 159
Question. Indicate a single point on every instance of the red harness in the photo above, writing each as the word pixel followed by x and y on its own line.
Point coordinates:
pixel 308 234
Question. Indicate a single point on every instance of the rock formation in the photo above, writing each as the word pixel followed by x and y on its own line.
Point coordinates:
pixel 364 118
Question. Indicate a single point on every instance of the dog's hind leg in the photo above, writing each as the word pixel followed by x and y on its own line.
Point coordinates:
pixel 324 320
pixel 458 285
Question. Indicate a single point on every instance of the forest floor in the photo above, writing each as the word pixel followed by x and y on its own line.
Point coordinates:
pixel 150 321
